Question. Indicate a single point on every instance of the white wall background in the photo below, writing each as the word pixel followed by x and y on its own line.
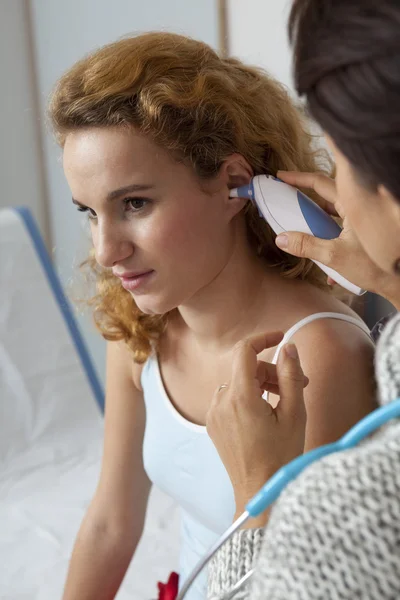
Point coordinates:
pixel 62 32
pixel 257 34
pixel 21 172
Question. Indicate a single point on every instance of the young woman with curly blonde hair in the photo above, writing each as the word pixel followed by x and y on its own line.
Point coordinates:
pixel 155 130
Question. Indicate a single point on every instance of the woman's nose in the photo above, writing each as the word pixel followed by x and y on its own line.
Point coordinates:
pixel 111 245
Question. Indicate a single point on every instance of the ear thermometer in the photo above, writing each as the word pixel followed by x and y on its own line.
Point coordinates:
pixel 285 208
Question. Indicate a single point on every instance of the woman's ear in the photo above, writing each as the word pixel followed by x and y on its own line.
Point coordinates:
pixel 235 172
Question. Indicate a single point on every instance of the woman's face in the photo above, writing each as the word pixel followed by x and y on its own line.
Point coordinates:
pixel 374 215
pixel 151 222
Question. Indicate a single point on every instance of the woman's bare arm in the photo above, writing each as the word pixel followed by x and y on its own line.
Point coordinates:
pixel 338 360
pixel 114 521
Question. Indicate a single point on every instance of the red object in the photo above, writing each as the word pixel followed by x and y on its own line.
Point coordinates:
pixel 169 590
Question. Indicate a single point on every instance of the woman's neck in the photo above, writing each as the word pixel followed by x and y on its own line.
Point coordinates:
pixel 228 308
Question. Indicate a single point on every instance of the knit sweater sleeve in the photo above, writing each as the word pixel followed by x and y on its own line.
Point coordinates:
pixel 337 527
pixel 235 559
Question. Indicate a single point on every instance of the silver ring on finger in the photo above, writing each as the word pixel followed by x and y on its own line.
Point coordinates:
pixel 222 387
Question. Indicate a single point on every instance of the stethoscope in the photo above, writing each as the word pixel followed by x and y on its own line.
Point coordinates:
pixel 274 486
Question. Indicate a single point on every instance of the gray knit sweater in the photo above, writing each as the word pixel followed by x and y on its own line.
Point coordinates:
pixel 335 531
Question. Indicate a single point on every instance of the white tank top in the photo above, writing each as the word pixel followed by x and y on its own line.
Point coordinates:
pixel 180 458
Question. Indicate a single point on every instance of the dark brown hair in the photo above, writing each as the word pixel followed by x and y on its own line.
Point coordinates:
pixel 347 64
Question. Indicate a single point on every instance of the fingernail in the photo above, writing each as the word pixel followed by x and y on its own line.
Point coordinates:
pixel 282 241
pixel 291 351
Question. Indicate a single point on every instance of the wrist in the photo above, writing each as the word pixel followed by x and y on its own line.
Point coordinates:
pixel 244 493
pixel 254 522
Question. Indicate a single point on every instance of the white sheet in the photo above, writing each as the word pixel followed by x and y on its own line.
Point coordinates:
pixel 50 441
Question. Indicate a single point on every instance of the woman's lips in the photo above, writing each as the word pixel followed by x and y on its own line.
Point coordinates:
pixel 134 282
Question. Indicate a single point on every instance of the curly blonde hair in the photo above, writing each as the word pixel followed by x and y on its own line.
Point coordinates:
pixel 199 107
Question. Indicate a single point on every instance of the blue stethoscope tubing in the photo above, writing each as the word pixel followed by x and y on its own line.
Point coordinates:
pixel 275 485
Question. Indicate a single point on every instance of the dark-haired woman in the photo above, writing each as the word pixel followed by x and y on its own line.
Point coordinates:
pixel 335 532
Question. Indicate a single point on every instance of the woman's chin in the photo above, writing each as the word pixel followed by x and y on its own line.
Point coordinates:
pixel 152 306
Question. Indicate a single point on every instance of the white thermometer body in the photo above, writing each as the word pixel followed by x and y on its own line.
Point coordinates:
pixel 285 208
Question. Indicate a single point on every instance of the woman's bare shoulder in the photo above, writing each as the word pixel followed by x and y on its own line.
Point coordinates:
pixel 338 358
pixel 120 362
pixel 301 300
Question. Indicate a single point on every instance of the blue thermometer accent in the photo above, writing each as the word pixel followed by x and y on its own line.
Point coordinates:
pixel 274 486
pixel 321 224
pixel 247 191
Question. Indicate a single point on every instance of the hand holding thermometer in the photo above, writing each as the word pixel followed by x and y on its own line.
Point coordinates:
pixel 285 208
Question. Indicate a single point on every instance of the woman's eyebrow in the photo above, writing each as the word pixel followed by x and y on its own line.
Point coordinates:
pixel 129 188
pixel 135 187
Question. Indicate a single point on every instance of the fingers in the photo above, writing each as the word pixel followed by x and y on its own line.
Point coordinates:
pixel 266 374
pixel 267 377
pixel 261 341
pixel 308 246
pixel 291 383
pixel 244 365
pixel 322 184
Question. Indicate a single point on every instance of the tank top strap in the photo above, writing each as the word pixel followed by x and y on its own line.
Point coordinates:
pixel 315 317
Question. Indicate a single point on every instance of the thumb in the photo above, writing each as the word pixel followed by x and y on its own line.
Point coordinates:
pixel 307 246
pixel 291 383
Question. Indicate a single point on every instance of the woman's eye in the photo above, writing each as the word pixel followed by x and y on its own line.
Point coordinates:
pixel 135 204
pixel 86 209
